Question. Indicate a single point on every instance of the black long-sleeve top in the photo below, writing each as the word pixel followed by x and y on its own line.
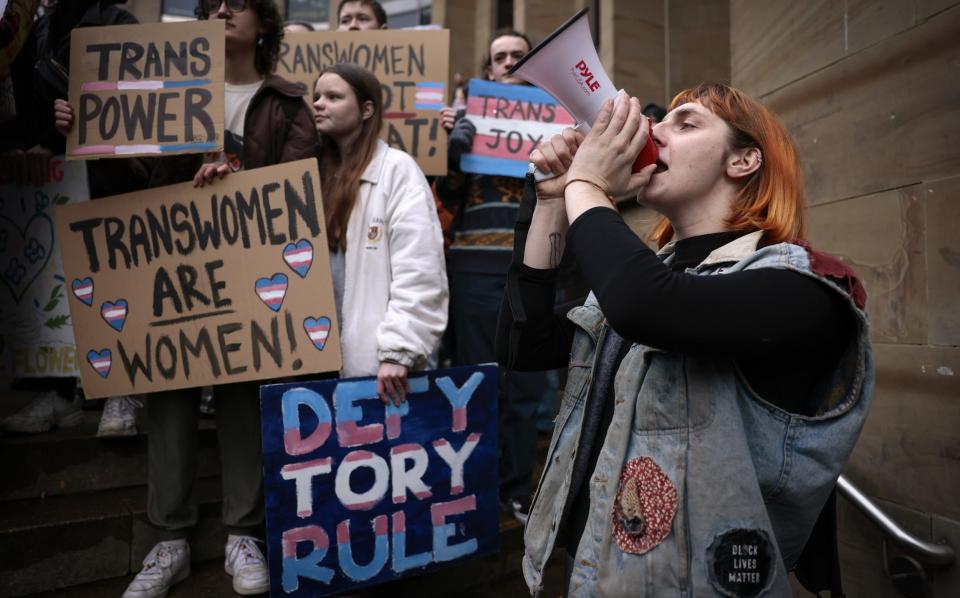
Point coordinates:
pixel 781 327
pixel 785 330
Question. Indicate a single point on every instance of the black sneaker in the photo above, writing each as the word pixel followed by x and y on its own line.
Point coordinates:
pixel 518 506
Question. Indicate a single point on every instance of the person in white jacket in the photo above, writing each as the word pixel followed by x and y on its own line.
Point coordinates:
pixel 386 247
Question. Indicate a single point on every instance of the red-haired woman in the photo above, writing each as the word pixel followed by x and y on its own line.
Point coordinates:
pixel 716 388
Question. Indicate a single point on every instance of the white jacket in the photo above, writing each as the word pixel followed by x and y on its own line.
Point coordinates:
pixel 395 279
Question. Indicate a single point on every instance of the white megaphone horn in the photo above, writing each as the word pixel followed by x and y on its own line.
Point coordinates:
pixel 566 66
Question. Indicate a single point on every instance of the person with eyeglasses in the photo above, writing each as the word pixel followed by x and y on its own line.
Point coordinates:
pixel 266 122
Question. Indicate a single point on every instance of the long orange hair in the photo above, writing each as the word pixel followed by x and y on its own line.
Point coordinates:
pixel 771 199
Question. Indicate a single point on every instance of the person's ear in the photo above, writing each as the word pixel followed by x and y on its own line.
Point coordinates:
pixel 366 110
pixel 744 162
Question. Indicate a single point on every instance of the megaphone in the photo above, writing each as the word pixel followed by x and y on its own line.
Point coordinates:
pixel 566 66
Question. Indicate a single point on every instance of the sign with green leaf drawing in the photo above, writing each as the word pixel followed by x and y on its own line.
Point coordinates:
pixel 37 334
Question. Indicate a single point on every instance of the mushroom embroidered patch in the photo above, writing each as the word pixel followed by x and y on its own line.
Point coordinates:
pixel 645 506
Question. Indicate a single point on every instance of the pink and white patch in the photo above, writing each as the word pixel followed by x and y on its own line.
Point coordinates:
pixel 644 487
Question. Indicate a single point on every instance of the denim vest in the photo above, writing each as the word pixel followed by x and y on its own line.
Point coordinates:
pixel 701 487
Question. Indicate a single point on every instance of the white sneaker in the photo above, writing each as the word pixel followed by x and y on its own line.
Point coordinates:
pixel 167 563
pixel 246 564
pixel 45 412
pixel 119 417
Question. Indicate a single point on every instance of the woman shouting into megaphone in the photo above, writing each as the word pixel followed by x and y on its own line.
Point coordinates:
pixel 716 388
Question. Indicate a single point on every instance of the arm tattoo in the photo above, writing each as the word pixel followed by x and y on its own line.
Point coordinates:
pixel 555 251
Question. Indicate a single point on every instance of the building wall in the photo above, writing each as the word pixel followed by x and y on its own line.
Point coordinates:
pixel 868 89
pixel 655 48
pixel 147 11
pixel 537 18
pixel 470 24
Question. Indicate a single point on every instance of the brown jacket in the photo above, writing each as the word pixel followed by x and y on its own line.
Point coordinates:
pixel 277 128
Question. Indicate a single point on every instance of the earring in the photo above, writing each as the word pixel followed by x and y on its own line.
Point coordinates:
pixel 259 40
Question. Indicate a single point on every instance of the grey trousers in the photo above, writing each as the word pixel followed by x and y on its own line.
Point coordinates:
pixel 172 459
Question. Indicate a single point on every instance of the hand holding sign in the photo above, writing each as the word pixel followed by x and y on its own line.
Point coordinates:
pixel 62 116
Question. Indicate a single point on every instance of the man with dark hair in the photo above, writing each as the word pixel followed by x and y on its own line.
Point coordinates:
pixel 486 209
pixel 655 112
pixel 360 15
pixel 507 47
pixel 297 27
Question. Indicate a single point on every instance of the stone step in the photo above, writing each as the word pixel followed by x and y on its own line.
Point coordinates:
pixel 75 461
pixel 74 520
pixel 493 576
pixel 63 541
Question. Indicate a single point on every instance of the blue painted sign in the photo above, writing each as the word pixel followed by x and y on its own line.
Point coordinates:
pixel 359 493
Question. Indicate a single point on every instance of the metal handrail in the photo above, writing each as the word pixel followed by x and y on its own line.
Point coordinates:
pixel 928 552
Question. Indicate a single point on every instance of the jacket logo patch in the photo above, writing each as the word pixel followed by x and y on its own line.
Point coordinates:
pixel 645 506
pixel 375 230
pixel 741 563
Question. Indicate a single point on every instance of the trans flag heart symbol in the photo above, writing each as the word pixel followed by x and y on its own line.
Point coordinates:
pixel 114 314
pixel 83 289
pixel 299 256
pixel 100 360
pixel 272 290
pixel 317 329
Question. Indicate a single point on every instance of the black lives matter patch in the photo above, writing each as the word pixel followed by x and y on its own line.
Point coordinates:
pixel 741 562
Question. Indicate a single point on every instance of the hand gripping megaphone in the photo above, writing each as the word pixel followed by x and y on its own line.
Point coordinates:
pixel 566 66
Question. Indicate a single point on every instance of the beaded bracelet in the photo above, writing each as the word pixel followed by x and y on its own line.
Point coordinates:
pixel 595 186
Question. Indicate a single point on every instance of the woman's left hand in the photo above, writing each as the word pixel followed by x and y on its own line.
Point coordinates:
pixel 608 152
pixel 392 385
pixel 62 116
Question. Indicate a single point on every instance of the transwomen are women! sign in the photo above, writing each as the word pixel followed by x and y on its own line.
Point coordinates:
pixel 178 287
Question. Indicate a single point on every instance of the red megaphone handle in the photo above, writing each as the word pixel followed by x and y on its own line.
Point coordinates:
pixel 649 153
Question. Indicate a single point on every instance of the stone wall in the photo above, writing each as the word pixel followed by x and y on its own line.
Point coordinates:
pixel 868 90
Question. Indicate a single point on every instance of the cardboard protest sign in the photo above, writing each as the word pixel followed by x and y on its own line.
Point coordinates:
pixel 36 327
pixel 400 490
pixel 144 90
pixel 510 120
pixel 176 287
pixel 412 66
